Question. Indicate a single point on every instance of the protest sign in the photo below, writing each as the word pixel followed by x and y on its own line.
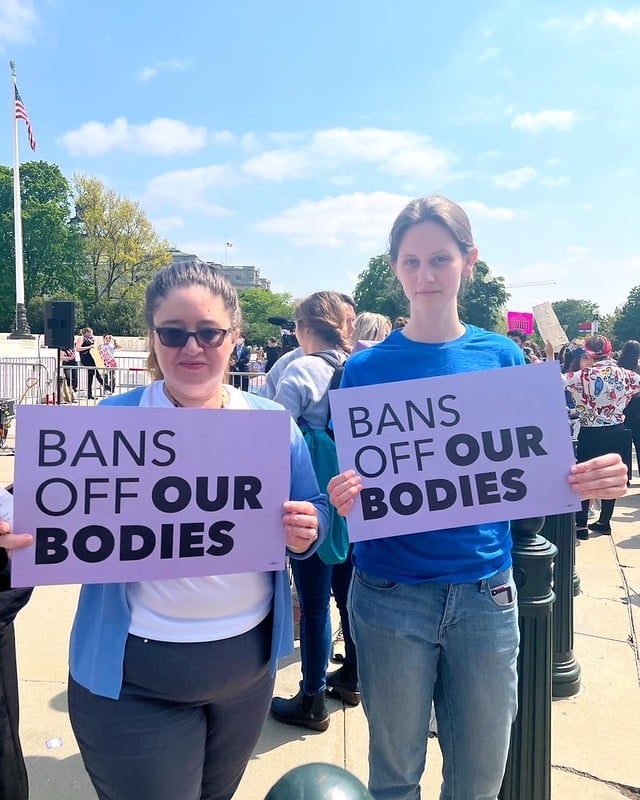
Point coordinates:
pixel 549 326
pixel 128 494
pixel 520 321
pixel 456 450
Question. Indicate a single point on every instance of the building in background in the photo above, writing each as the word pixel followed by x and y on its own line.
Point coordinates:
pixel 241 277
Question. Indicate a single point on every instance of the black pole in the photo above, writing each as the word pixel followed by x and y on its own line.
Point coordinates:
pixel 58 382
pixel 559 529
pixel 528 772
pixel 20 328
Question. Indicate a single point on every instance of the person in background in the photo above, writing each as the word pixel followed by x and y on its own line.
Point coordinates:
pixel 342 683
pixel 269 388
pixel 70 373
pixel 84 344
pixel 14 782
pixel 240 358
pixel 273 352
pixel 302 389
pixel 426 620
pixel 171 680
pixel 107 351
pixel 629 359
pixel 601 391
pixel 400 323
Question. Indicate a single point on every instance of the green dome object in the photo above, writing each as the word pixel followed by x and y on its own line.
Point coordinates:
pixel 318 782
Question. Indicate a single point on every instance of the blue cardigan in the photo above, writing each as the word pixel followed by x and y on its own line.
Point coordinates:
pixel 101 625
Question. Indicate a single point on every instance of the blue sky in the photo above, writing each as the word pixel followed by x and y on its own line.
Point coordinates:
pixel 298 131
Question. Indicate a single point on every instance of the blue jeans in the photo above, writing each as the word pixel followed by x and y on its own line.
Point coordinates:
pixel 313 582
pixel 453 643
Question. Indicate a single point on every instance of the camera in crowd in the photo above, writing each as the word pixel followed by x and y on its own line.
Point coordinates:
pixel 287 332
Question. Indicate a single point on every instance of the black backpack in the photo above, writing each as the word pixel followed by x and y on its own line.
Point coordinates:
pixel 336 378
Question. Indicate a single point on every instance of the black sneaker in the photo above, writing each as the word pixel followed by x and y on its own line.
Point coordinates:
pixel 582 533
pixel 305 710
pixel 343 684
pixel 599 527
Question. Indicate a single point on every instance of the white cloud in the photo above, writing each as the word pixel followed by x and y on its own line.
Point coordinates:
pixel 515 178
pixel 554 181
pixel 18 21
pixel 577 251
pixel 164 225
pixel 398 153
pixel 626 21
pixel 482 211
pixel 168 65
pixel 538 121
pixel 359 219
pixel 488 54
pixel 186 189
pixel 161 136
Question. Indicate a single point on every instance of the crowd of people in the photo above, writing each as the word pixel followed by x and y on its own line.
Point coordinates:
pixel 95 358
pixel 171 680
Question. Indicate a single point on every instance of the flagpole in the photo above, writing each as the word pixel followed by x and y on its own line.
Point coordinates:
pixel 21 329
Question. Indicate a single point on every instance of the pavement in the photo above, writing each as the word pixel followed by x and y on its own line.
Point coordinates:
pixel 595 735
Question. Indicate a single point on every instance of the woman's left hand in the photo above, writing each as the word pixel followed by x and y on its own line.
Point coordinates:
pixel 300 525
pixel 604 477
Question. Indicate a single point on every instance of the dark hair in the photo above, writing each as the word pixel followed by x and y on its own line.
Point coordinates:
pixel 433 208
pixel 182 275
pixel 323 313
pixel 597 347
pixel 346 298
pixel 630 355
pixel 400 323
pixel 520 334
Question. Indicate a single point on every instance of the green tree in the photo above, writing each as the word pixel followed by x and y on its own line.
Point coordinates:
pixel 52 248
pixel 627 323
pixel 572 312
pixel 377 289
pixel 483 301
pixel 121 247
pixel 259 304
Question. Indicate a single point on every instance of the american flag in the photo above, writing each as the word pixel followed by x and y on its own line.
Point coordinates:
pixel 21 113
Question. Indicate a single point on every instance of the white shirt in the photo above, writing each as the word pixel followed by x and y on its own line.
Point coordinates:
pixel 202 609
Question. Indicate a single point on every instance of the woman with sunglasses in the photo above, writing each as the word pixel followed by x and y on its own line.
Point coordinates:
pixel 171 680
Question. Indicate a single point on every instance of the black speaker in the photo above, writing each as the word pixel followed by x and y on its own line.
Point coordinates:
pixel 59 323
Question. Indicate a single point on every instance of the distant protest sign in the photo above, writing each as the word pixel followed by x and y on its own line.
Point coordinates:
pixel 549 325
pixel 520 321
pixel 456 450
pixel 128 494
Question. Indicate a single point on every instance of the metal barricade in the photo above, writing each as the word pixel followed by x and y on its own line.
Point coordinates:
pixel 28 380
pixel 247 381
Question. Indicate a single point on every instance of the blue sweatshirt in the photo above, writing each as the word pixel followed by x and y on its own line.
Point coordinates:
pixel 456 555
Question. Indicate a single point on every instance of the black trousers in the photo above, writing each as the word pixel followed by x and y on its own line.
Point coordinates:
pixel 187 720
pixel 13 774
pixel 341 576
pixel 593 442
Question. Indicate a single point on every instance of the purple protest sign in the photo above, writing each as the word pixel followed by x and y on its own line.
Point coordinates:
pixel 129 494
pixel 456 450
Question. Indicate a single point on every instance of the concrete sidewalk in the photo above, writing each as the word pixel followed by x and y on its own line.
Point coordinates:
pixel 595 735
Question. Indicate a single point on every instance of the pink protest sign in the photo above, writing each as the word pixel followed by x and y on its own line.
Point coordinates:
pixel 456 450
pixel 520 321
pixel 128 494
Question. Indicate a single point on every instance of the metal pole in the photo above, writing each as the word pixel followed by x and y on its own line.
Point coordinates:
pixel 528 771
pixel 559 529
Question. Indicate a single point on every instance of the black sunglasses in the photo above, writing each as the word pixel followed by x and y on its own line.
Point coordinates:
pixel 205 337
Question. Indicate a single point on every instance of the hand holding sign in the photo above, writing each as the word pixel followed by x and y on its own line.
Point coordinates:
pixel 300 525
pixel 604 477
pixel 343 490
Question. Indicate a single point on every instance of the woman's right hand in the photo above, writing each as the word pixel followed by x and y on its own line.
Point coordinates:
pixel 343 490
pixel 12 541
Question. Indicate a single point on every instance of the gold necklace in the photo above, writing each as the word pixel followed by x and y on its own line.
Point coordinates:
pixel 224 397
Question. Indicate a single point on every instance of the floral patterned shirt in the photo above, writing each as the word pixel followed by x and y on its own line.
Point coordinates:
pixel 601 392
